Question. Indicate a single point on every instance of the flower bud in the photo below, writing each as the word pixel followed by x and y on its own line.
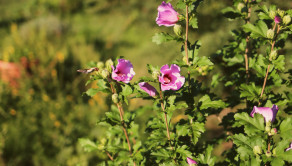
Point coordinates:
pixel 100 65
pixel 240 6
pixel 108 64
pixel 270 34
pixel 277 19
pixel 281 12
pixel 177 29
pixel 257 150
pixel 115 98
pixel 155 74
pixel 273 55
pixel 268 154
pixel 286 19
pixel 273 132
pixel 272 14
pixel 104 74
pixel 268 127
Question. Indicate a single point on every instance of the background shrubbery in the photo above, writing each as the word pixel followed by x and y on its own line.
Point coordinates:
pixel 42 112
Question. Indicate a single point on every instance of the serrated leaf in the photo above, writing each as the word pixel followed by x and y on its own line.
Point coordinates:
pixel 286 129
pixel 230 13
pixel 251 125
pixel 87 144
pixel 92 91
pixel 193 22
pixel 198 129
pixel 258 30
pixel 250 92
pixel 202 61
pixel 207 103
pixel 162 37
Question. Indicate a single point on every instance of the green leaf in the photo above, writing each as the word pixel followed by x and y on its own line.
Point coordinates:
pixel 207 103
pixel 202 61
pixel 92 91
pixel 252 126
pixel 198 129
pixel 277 162
pixel 87 144
pixel 279 63
pixel 183 151
pixel 286 129
pixel 194 22
pixel 207 158
pixel 126 90
pixel 230 13
pixel 161 37
pixel 258 30
pixel 250 92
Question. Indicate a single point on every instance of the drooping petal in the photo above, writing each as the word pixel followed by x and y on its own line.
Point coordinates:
pixel 148 88
pixel 268 113
pixel 191 161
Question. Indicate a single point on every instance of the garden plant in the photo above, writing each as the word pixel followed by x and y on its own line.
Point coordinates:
pixel 260 128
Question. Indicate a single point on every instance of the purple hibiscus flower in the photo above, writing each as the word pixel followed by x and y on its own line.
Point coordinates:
pixel 123 72
pixel 277 19
pixel 191 161
pixel 170 78
pixel 167 16
pixel 290 147
pixel 148 88
pixel 268 113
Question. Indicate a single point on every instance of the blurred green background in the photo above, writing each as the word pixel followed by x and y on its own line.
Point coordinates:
pixel 44 42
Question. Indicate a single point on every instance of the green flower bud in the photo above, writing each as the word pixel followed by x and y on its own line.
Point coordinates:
pixel 281 12
pixel 155 74
pixel 257 150
pixel 240 6
pixel 108 64
pixel 273 132
pixel 104 73
pixel 272 14
pixel 177 29
pixel 273 55
pixel 270 34
pixel 100 65
pixel 115 98
pixel 286 19
pixel 268 127
pixel 268 154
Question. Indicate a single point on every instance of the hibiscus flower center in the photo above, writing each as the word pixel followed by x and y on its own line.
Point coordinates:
pixel 166 79
pixel 119 73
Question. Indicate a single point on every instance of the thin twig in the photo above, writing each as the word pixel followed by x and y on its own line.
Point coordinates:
pixel 247 20
pixel 268 68
pixel 109 155
pixel 121 111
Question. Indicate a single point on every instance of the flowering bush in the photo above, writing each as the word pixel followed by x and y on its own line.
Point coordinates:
pixel 259 136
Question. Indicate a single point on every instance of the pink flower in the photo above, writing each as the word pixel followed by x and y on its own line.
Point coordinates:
pixel 290 147
pixel 277 19
pixel 148 88
pixel 167 16
pixel 191 161
pixel 170 78
pixel 268 113
pixel 124 71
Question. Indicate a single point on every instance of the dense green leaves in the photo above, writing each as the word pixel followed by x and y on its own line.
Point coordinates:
pixel 252 125
pixel 208 103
